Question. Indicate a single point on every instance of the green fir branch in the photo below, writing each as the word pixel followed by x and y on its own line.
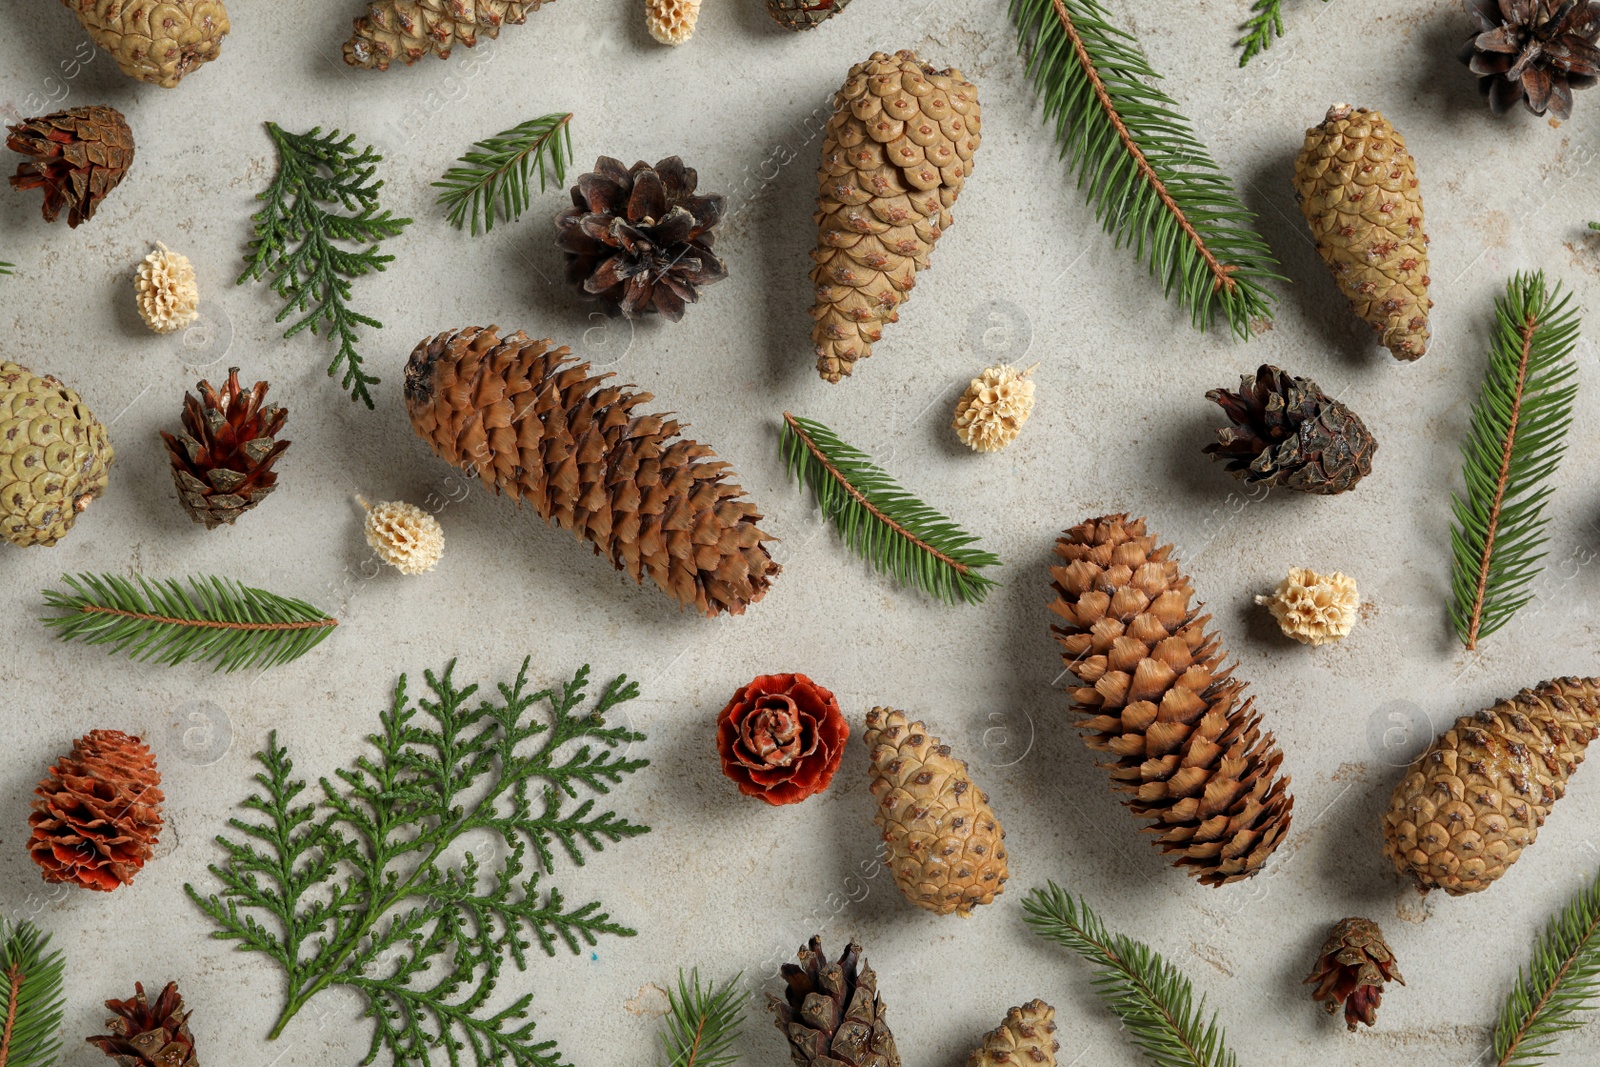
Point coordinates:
pixel 214 619
pixel 1515 444
pixel 495 176
pixel 7 268
pixel 703 1022
pixel 1557 991
pixel 299 238
pixel 359 890
pixel 882 522
pixel 32 997
pixel 1263 28
pixel 1154 1000
pixel 1153 184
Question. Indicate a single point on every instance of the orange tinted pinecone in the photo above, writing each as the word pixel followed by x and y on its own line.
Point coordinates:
pixel 895 155
pixel 1357 187
pixel 1470 804
pixel 407 30
pixel 940 837
pixel 222 456
pixel 1186 743
pixel 1027 1038
pixel 148 1035
pixel 99 812
pixel 77 157
pixel 1351 970
pixel 533 422
pixel 157 41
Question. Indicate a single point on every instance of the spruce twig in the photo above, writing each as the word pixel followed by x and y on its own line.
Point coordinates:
pixel 1153 184
pixel 493 179
pixel 1264 27
pixel 298 239
pixel 703 1022
pixel 1557 991
pixel 32 999
pixel 7 268
pixel 882 522
pixel 214 619
pixel 1515 444
pixel 1154 1000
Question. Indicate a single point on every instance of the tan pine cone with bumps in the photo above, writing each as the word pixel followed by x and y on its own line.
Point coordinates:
pixel 404 536
pixel 895 156
pixel 1313 608
pixel 1027 1038
pixel 156 41
pixel 991 413
pixel 941 839
pixel 407 30
pixel 671 21
pixel 165 288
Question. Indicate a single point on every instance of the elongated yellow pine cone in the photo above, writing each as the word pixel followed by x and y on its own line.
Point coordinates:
pixel 1027 1038
pixel 1470 804
pixel 941 839
pixel 156 41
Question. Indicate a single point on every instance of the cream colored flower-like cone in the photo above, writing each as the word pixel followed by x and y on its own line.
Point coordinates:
pixel 671 21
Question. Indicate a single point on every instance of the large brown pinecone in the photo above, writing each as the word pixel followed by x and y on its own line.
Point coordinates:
pixel 1535 51
pixel 98 816
pixel 148 1035
pixel 157 41
pixel 1357 188
pixel 1027 1038
pixel 941 839
pixel 409 29
pixel 895 156
pixel 1187 745
pixel 1470 804
pixel 1287 432
pixel 639 241
pixel 532 421
pixel 831 1012
pixel 222 457
pixel 77 157
pixel 1351 970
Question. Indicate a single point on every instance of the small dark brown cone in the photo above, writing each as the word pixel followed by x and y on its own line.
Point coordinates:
pixel 77 157
pixel 831 1013
pixel 1351 970
pixel 222 457
pixel 1535 52
pixel 148 1035
pixel 1287 432
pixel 804 14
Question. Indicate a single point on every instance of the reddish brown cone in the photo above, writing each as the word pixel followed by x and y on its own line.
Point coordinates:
pixel 1351 970
pixel 781 738
pixel 98 815
pixel 77 157
pixel 148 1035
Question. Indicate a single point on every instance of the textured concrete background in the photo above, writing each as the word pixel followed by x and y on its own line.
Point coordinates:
pixel 1024 274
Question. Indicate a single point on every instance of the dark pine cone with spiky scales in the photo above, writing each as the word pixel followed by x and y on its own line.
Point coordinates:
pixel 1535 51
pixel 1352 968
pixel 222 457
pixel 1287 432
pixel 148 1035
pixel 831 1013
pixel 77 157
pixel 804 14
pixel 639 240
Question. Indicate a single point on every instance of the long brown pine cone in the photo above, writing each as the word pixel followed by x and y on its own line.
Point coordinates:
pixel 1186 745
pixel 76 156
pixel 407 30
pixel 532 421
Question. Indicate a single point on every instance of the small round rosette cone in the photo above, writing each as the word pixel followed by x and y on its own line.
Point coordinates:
pixel 781 738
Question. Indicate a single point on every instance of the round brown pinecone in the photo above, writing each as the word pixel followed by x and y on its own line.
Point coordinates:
pixel 98 815
pixel 639 241
pixel 1535 51
pixel 1351 970
pixel 148 1035
pixel 1287 432
pixel 77 157
pixel 222 457
pixel 831 1012
pixel 804 14
pixel 534 423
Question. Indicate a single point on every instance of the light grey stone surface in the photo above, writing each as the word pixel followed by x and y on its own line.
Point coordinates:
pixel 1024 274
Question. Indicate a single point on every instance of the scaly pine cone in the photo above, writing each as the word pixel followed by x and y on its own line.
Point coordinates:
pixel 148 1035
pixel 409 29
pixel 1357 187
pixel 222 457
pixel 895 156
pixel 1535 51
pixel 54 457
pixel 1351 970
pixel 1287 432
pixel 1027 1038
pixel 156 41
pixel 1188 746
pixel 98 815
pixel 78 157
pixel 831 1013
pixel 800 15
pixel 940 837
pixel 534 423
pixel 1470 804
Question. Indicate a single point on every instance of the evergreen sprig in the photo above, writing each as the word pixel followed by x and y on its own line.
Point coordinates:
pixel 1154 1000
pixel 1263 28
pixel 213 619
pixel 703 1022
pixel 1557 991
pixel 32 997
pixel 494 178
pixel 1515 443
pixel 1153 184
pixel 882 522
pixel 360 890
pixel 299 236
pixel 7 268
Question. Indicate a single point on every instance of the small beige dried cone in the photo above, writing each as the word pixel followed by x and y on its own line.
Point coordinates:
pixel 165 290
pixel 671 21
pixel 1027 1038
pixel 941 839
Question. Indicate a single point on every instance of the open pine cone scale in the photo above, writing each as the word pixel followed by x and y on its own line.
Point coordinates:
pixel 1534 51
